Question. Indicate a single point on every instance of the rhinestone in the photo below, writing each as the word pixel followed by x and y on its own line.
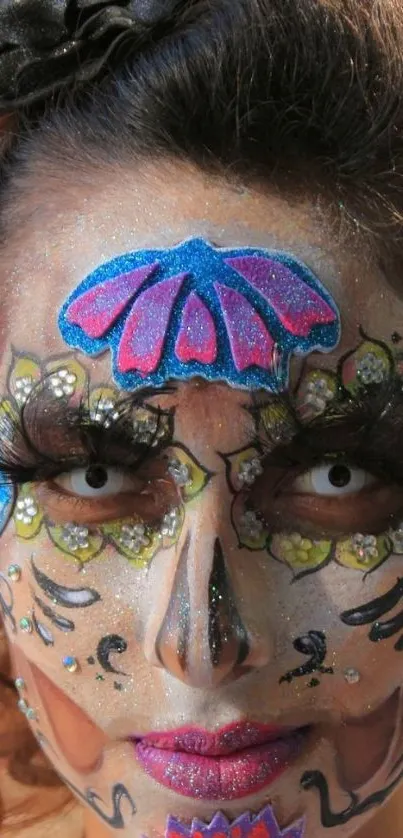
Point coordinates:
pixel 179 472
pixel 70 663
pixel 75 537
pixel 20 684
pixel 170 523
pixel 250 525
pixel 14 572
pixel 31 715
pixel 365 547
pixel 63 383
pixel 26 625
pixel 23 387
pixel 27 510
pixel 372 370
pixel 148 428
pixel 318 395
pixel 352 676
pixel 104 412
pixel 134 537
pixel 397 539
pixel 22 706
pixel 249 470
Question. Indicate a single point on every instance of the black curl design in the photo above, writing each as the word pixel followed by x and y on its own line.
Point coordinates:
pixel 47 44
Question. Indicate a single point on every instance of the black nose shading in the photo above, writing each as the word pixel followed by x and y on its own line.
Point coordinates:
pixel 228 639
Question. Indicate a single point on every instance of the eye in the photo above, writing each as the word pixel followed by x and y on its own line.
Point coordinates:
pixel 333 479
pixel 96 481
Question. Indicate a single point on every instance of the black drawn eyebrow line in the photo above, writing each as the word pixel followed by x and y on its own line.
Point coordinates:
pixel 61 595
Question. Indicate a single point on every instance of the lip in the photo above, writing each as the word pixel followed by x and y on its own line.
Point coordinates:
pixel 235 761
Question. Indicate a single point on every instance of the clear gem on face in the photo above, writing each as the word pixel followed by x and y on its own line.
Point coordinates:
pixel 23 389
pixel 397 539
pixel 365 547
pixel 372 370
pixel 249 470
pixel 20 684
pixel 14 572
pixel 22 706
pixel 75 537
pixel 26 625
pixel 250 525
pixel 179 472
pixel 70 663
pixel 31 715
pixel 62 383
pixel 170 523
pixel 318 395
pixel 351 675
pixel 134 537
pixel 148 428
pixel 26 510
pixel 104 412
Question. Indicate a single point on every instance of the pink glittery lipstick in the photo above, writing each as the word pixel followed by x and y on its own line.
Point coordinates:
pixel 233 762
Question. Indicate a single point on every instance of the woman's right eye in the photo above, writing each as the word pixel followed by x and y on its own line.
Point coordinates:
pixel 332 480
pixel 97 481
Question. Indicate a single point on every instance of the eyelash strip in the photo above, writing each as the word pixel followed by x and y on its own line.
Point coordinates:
pixel 36 451
pixel 366 430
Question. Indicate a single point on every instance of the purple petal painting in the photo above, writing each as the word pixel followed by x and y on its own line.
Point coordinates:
pixel 263 825
pixel 234 315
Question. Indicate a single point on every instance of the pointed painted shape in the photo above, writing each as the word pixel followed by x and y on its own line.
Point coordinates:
pixel 97 310
pixel 298 306
pixel 197 339
pixel 144 334
pixel 249 339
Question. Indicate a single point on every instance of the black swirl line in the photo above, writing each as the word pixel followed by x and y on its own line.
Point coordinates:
pixel 43 632
pixel 315 779
pixel 314 645
pixel 67 597
pixel 119 793
pixel 367 613
pixel 107 646
pixel 7 607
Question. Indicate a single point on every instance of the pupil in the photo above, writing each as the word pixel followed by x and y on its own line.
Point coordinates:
pixel 96 477
pixel 339 476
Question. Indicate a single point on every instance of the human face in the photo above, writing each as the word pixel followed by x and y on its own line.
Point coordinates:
pixel 194 619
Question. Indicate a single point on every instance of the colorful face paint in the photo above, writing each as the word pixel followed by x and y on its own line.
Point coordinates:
pixel 236 315
pixel 263 825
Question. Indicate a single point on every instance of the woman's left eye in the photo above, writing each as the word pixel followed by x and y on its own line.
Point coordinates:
pixel 332 479
pixel 96 481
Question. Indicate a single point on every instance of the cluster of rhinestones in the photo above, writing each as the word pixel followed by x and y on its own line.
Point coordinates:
pixel 179 472
pixel 134 537
pixel 75 537
pixel 397 539
pixel 104 412
pixel 26 510
pixel 365 547
pixel 250 526
pixel 148 428
pixel 170 523
pixel 23 389
pixel 318 394
pixel 249 470
pixel 62 383
pixel 371 369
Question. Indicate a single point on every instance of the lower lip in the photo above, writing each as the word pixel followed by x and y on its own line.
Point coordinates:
pixel 222 777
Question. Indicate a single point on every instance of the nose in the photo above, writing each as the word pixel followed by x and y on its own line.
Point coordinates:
pixel 202 639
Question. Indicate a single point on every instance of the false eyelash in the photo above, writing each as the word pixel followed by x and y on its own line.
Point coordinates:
pixel 366 428
pixel 35 450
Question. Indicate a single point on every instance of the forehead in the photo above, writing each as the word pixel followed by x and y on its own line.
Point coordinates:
pixel 67 238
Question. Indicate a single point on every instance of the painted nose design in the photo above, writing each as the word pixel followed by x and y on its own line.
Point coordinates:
pixel 202 639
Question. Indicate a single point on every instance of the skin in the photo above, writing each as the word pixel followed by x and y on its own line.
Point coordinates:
pixel 356 738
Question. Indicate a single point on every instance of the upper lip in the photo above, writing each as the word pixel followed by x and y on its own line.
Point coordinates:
pixel 227 740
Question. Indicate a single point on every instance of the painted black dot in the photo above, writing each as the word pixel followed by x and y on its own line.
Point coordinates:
pixel 91 660
pixel 340 476
pixel 118 686
pixel 314 682
pixel 396 337
pixel 96 476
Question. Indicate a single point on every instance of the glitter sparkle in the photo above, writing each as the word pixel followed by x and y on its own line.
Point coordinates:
pixel 264 825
